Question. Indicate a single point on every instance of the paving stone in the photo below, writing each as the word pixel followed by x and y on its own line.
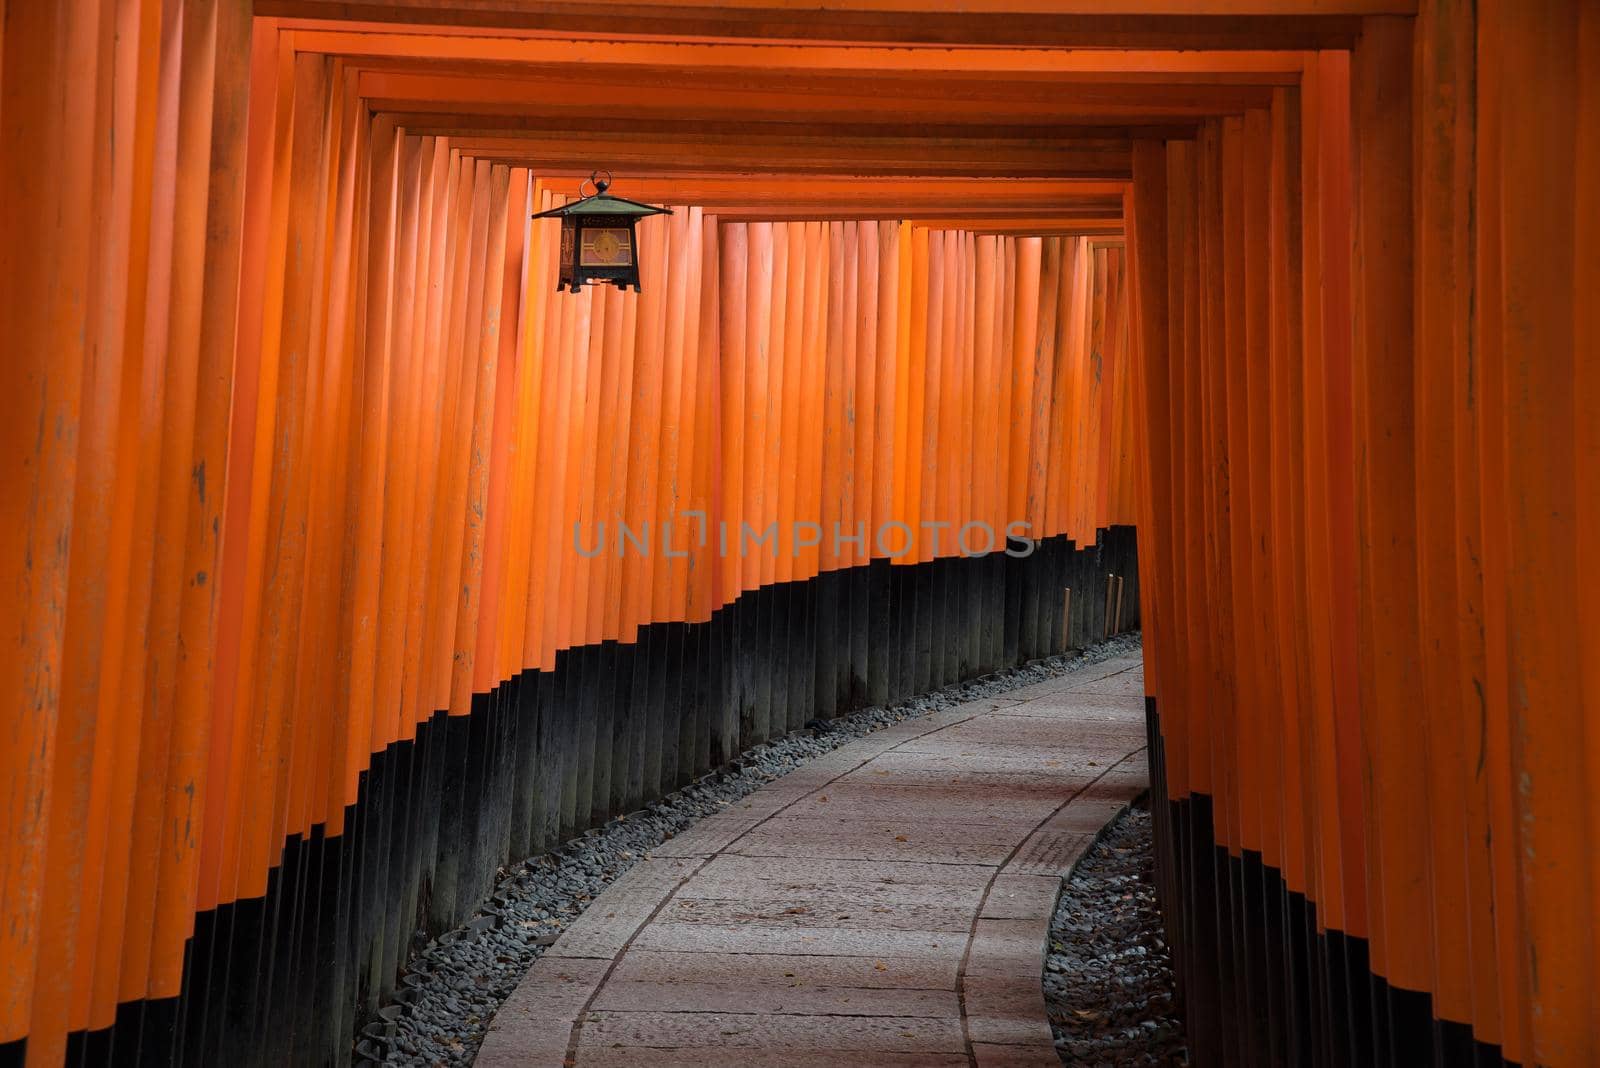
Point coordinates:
pixel 785 996
pixel 910 771
pixel 816 774
pixel 1002 996
pixel 841 911
pixel 1094 807
pixel 941 778
pixel 744 1057
pixel 996 734
pixel 1009 947
pixel 1115 665
pixel 1121 783
pixel 1085 707
pixel 1050 852
pixel 534 1025
pixel 497 1052
pixel 974 804
pixel 870 973
pixel 992 1056
pixel 705 838
pixel 978 760
pixel 1057 757
pixel 1013 1029
pixel 939 843
pixel 688 1030
pixel 604 928
pixel 762 804
pixel 913 776
pixel 1006 1010
pixel 731 875
pixel 1130 683
pixel 1090 674
pixel 824 768
pixel 554 980
pixel 1016 896
pixel 1026 802
pixel 956 818
pixel 933 723
pixel 1056 845
pixel 754 938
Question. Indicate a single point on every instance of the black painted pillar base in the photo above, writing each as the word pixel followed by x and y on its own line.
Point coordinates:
pixel 1259 982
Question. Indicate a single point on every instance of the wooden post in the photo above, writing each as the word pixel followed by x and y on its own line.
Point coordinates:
pixel 1066 620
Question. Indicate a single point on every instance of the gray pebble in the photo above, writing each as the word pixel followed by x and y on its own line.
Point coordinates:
pixel 1108 984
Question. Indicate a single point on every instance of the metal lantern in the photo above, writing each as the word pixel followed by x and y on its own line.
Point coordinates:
pixel 597 237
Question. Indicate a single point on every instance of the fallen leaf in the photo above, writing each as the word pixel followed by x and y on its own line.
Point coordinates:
pixel 880 966
pixel 900 838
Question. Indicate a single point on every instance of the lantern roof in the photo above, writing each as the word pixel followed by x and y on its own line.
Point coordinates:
pixel 604 204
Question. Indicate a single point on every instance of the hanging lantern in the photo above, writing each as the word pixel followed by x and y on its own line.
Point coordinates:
pixel 598 243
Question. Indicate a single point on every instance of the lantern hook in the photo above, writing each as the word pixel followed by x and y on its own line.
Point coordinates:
pixel 594 179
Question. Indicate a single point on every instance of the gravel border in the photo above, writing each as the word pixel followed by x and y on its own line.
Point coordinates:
pixel 1109 988
pixel 453 986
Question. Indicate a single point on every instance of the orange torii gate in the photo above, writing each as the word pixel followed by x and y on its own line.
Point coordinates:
pixel 298 436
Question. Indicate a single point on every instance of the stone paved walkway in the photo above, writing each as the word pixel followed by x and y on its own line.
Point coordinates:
pixel 886 904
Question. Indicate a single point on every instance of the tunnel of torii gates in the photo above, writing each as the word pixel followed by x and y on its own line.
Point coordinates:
pixel 300 644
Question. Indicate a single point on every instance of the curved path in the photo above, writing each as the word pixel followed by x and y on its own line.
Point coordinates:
pixel 885 904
